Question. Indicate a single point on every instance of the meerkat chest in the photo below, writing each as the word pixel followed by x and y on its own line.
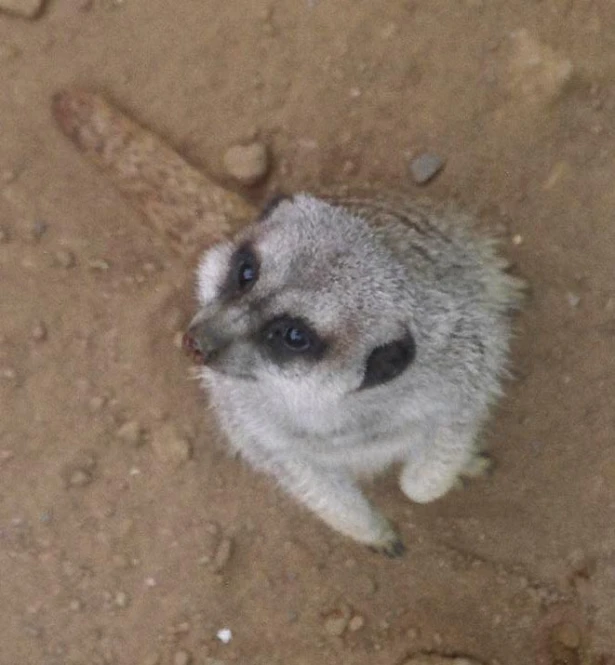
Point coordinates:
pixel 330 435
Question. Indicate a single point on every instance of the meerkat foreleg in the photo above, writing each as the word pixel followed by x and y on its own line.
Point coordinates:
pixel 334 496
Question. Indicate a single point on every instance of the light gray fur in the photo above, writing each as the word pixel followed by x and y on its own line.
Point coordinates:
pixel 361 270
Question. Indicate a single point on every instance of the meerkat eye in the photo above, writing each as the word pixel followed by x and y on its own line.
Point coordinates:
pixel 296 339
pixel 246 274
pixel 388 361
pixel 286 337
pixel 245 268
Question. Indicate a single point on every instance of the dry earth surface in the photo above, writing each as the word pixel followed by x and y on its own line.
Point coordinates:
pixel 126 534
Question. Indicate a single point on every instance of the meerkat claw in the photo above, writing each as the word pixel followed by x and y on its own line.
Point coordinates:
pixel 392 549
pixel 481 465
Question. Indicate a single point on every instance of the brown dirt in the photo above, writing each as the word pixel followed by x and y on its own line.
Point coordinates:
pixel 110 551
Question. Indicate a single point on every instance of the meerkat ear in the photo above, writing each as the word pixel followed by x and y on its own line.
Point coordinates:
pixel 388 361
pixel 272 204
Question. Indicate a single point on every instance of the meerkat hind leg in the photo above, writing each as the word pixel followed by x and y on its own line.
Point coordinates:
pixel 442 466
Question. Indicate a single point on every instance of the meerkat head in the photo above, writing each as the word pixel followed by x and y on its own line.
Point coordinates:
pixel 306 296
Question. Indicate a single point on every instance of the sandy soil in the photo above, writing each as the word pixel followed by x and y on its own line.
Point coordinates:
pixel 113 536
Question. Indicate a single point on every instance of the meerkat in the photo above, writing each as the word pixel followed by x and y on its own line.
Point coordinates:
pixel 337 336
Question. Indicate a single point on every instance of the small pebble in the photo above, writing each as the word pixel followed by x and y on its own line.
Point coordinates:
pixel 39 332
pixel 24 8
pixel 336 623
pixel 425 167
pixel 98 264
pixel 248 164
pixel 555 176
pixel 349 168
pixel 225 635
pixel 150 267
pixel 131 433
pixel 121 599
pixel 65 258
pixel 536 72
pixel 182 628
pixel 356 623
pixel 150 582
pixel 97 403
pixel 6 456
pixel 223 554
pixel 213 528
pixel 79 478
pixel 182 658
pixel 76 605
pixel 8 373
pixel 517 239
pixel 573 299
pixel 169 447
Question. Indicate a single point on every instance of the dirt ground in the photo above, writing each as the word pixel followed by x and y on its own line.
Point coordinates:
pixel 117 500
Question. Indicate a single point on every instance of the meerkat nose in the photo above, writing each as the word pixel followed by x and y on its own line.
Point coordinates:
pixel 192 348
pixel 204 340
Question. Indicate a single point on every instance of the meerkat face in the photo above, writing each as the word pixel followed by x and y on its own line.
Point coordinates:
pixel 305 296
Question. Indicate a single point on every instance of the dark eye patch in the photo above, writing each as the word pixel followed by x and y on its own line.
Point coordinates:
pixel 271 205
pixel 286 338
pixel 388 361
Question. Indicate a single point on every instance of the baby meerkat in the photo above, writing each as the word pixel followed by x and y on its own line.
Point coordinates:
pixel 340 335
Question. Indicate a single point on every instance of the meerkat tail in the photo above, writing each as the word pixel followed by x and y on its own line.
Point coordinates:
pixel 177 201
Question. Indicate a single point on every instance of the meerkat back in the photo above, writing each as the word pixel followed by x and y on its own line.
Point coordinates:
pixel 340 334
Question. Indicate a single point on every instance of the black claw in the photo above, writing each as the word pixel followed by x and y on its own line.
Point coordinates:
pixel 491 464
pixel 396 550
pixel 392 550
